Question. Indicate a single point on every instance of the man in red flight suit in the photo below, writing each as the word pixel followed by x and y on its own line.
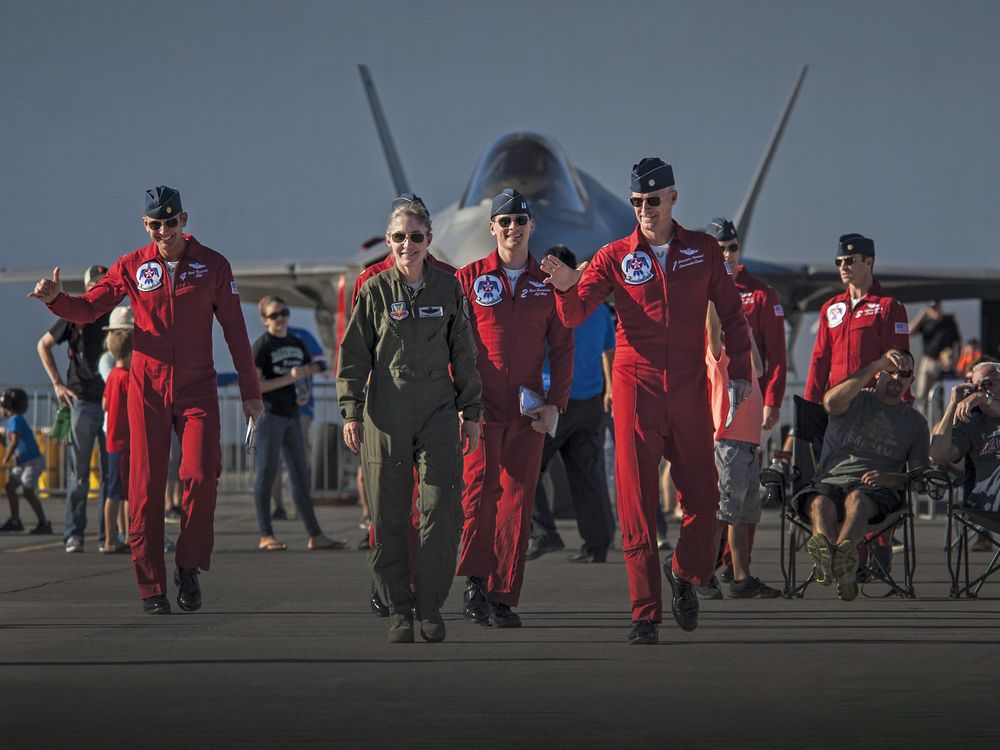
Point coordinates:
pixel 857 326
pixel 766 317
pixel 663 277
pixel 378 607
pixel 513 316
pixel 175 286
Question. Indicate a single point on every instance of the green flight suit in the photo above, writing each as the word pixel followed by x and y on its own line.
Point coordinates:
pixel 405 340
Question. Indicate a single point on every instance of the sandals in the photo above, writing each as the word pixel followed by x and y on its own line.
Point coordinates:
pixel 325 543
pixel 118 549
pixel 272 545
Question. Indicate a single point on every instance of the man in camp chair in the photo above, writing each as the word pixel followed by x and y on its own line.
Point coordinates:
pixel 971 425
pixel 873 437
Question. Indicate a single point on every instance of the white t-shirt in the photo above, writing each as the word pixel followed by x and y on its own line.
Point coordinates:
pixel 513 274
pixel 171 268
pixel 660 253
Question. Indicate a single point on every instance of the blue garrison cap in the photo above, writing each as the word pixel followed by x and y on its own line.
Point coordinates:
pixel 163 203
pixel 852 243
pixel 406 199
pixel 722 229
pixel 651 174
pixel 510 202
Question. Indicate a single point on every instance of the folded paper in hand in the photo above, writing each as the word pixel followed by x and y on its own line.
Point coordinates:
pixel 530 401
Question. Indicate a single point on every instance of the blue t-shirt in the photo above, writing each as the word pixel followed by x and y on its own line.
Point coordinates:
pixel 316 352
pixel 591 339
pixel 27 448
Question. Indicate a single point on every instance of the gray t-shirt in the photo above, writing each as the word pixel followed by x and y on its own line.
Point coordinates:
pixel 872 436
pixel 980 438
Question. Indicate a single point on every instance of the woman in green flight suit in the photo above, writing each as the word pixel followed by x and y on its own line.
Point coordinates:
pixel 410 396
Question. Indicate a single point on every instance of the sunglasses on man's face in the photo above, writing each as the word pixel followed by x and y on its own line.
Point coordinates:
pixel 155 224
pixel 505 221
pixel 653 200
pixel 902 374
pixel 731 248
pixel 848 261
pixel 400 237
pixel 278 314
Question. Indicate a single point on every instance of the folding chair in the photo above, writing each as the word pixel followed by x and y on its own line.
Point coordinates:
pixel 974 522
pixel 809 422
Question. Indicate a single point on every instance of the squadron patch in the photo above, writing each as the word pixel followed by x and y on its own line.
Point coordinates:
pixel 835 314
pixel 398 311
pixel 488 290
pixel 149 276
pixel 637 268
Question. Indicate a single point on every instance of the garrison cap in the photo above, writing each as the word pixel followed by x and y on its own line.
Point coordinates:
pixel 163 203
pixel 854 243
pixel 722 229
pixel 651 173
pixel 510 201
pixel 406 199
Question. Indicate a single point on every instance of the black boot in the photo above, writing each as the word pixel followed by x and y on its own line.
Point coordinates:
pixel 379 608
pixel 188 590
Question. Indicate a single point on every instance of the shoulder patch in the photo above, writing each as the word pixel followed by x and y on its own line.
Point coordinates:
pixel 902 328
pixel 779 312
pixel 232 287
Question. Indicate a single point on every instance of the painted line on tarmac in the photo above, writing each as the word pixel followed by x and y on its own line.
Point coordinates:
pixel 34 547
pixel 66 580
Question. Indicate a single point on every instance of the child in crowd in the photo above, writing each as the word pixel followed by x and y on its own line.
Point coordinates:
pixel 736 446
pixel 28 461
pixel 119 344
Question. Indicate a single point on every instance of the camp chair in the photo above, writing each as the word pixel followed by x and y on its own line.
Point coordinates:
pixel 809 422
pixel 964 522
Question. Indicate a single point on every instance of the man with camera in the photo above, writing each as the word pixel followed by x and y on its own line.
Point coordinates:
pixel 971 426
pixel 873 437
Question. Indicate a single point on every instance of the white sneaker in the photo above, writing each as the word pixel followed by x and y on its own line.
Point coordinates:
pixel 74 544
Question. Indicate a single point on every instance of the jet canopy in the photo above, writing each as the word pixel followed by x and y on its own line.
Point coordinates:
pixel 532 163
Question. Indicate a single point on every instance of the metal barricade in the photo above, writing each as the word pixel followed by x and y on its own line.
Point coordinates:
pixel 333 466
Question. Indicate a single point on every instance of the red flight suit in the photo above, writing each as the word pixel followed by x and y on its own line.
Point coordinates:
pixel 374 270
pixel 172 384
pixel 511 327
pixel 661 396
pixel 850 339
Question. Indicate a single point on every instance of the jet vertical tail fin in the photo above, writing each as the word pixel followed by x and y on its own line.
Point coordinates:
pixel 388 145
pixel 745 212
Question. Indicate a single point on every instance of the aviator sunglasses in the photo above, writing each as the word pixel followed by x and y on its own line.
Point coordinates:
pixel 848 261
pixel 278 314
pixel 155 224
pixel 505 221
pixel 653 200
pixel 400 237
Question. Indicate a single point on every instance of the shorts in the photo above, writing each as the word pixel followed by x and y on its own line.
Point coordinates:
pixel 118 475
pixel 739 481
pixel 887 501
pixel 26 475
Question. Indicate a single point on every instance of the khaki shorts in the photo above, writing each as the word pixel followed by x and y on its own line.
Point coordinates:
pixel 739 482
pixel 26 475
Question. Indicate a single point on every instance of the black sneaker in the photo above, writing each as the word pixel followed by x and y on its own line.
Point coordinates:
pixel 752 588
pixel 12 525
pixel 188 589
pixel 726 576
pixel 476 605
pixel 379 608
pixel 279 514
pixel 684 601
pixel 711 590
pixel 502 616
pixel 643 633
pixel 586 555
pixel 550 542
pixel 45 527
pixel 156 605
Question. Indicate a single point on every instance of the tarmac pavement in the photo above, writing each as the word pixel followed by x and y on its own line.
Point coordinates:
pixel 285 653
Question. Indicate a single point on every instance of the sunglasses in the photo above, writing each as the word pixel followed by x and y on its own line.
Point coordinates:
pixel 400 237
pixel 902 374
pixel 733 248
pixel 848 261
pixel 279 314
pixel 653 200
pixel 155 224
pixel 505 221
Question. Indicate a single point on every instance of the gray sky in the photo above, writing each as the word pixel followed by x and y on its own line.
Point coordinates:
pixel 255 111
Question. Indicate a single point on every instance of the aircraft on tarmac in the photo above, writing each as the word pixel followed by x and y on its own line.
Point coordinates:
pixel 572 208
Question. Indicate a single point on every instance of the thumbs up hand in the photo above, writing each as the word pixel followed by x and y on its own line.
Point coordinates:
pixel 48 289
